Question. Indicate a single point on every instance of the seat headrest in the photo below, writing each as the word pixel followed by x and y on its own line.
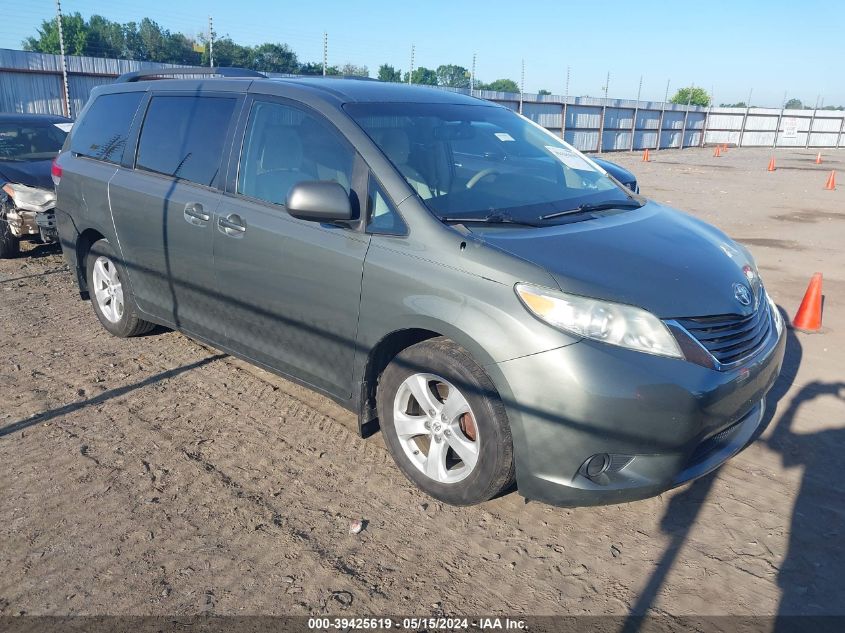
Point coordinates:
pixel 282 149
pixel 397 146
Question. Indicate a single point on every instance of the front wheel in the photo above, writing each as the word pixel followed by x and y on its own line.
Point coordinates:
pixel 445 424
pixel 10 245
pixel 110 295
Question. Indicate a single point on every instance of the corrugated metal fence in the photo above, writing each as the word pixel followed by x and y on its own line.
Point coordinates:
pixel 32 82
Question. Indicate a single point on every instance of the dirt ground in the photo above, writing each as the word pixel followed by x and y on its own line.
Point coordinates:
pixel 155 476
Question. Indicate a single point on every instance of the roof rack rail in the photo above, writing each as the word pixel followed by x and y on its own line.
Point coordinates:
pixel 222 71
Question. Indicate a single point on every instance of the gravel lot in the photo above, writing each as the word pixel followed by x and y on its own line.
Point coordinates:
pixel 156 476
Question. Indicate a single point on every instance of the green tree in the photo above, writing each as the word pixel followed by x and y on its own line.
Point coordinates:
pixel 691 95
pixel 274 58
pixel 452 76
pixel 316 68
pixel 500 85
pixel 75 32
pixel 386 72
pixel 543 92
pixel 424 76
pixel 351 70
pixel 228 53
pixel 794 104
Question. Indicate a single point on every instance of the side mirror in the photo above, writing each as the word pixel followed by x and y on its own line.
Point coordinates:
pixel 319 201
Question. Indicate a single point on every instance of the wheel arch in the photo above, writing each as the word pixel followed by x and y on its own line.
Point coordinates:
pixel 386 349
pixel 84 242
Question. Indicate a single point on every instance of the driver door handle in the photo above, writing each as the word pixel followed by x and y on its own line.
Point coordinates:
pixel 232 225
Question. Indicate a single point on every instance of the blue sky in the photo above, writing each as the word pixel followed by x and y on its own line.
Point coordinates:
pixel 730 48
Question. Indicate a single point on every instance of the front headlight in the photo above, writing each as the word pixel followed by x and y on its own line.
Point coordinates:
pixel 777 317
pixel 611 323
pixel 30 198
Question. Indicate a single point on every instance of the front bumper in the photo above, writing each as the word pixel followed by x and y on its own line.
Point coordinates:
pixel 26 223
pixel 660 421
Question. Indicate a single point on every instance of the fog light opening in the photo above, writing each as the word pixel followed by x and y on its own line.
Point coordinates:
pixel 596 465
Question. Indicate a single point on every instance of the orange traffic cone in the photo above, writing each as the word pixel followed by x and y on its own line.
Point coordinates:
pixel 809 316
pixel 819 158
pixel 830 185
pixel 717 152
pixel 724 148
pixel 772 164
pixel 645 156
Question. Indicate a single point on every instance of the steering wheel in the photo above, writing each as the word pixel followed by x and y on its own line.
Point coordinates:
pixel 481 174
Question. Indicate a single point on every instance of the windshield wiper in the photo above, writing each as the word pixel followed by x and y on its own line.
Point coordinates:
pixel 598 206
pixel 493 218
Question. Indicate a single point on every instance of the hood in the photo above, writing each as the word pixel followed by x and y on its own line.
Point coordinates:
pixel 659 259
pixel 35 173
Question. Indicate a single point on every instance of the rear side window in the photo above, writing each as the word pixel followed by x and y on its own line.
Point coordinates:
pixel 102 133
pixel 183 137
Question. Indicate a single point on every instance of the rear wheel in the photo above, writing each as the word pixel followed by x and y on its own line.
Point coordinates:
pixel 10 244
pixel 110 295
pixel 444 423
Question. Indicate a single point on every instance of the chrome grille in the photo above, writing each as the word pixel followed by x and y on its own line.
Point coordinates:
pixel 731 338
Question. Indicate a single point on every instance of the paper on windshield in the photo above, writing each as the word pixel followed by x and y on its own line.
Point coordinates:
pixel 504 136
pixel 570 158
pixel 64 127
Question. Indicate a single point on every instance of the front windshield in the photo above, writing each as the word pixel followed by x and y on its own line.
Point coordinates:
pixel 26 141
pixel 480 161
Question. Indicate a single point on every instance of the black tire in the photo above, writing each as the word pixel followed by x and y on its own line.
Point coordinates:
pixel 10 245
pixel 129 322
pixel 494 469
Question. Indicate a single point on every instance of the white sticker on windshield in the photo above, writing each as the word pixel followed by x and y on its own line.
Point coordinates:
pixel 64 127
pixel 504 136
pixel 570 158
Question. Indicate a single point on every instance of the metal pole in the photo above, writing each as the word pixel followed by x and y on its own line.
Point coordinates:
pixel 411 71
pixel 841 130
pixel 210 42
pixel 745 118
pixel 66 90
pixel 812 121
pixel 686 116
pixel 522 87
pixel 710 99
pixel 325 53
pixel 565 102
pixel 780 119
pixel 603 114
pixel 636 111
pixel 662 115
pixel 472 76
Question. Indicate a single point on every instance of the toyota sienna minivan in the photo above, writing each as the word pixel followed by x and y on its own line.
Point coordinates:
pixel 488 297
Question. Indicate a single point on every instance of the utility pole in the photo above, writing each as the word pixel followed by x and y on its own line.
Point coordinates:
pixel 325 53
pixel 522 86
pixel 565 101
pixel 210 42
pixel 66 103
pixel 411 71
pixel 666 96
pixel 472 76
pixel 636 113
pixel 607 84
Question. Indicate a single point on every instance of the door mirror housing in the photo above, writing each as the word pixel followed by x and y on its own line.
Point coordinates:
pixel 319 201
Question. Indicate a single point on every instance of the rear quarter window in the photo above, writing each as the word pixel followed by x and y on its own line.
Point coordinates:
pixel 102 132
pixel 183 136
